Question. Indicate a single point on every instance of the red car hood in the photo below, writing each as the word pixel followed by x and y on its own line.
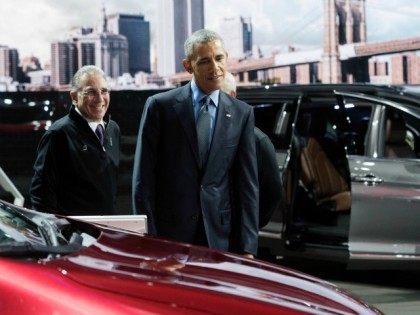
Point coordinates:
pixel 123 273
pixel 197 278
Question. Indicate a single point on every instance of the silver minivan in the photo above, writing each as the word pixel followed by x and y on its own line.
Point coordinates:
pixel 349 156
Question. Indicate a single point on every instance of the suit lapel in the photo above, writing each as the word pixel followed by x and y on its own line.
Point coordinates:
pixel 184 108
pixel 223 120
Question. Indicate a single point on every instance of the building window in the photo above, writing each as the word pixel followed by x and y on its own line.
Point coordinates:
pixel 292 74
pixel 313 72
pixel 405 69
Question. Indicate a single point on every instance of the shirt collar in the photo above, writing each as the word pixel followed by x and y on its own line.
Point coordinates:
pixel 198 94
pixel 92 124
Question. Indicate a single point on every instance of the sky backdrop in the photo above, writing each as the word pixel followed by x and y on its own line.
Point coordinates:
pixel 31 25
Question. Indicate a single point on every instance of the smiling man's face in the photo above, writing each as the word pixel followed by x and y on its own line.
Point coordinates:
pixel 208 65
pixel 93 97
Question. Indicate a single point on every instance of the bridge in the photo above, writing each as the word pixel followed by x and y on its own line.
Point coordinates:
pixel 344 57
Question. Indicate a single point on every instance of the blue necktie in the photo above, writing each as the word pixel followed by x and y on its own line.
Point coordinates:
pixel 99 131
pixel 203 130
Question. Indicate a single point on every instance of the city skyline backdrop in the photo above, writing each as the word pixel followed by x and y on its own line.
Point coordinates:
pixel 31 26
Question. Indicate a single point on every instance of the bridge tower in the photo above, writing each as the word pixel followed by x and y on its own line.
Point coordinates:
pixel 351 21
pixel 344 23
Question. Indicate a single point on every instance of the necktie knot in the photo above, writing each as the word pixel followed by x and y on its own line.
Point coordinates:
pixel 99 131
pixel 206 102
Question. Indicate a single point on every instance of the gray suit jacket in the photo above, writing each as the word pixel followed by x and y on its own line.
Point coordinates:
pixel 170 188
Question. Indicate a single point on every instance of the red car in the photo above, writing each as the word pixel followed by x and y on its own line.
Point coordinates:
pixel 56 265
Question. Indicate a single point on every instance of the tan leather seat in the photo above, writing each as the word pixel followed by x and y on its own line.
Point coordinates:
pixel 395 146
pixel 320 176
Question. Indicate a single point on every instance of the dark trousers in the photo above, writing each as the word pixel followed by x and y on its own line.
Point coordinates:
pixel 200 235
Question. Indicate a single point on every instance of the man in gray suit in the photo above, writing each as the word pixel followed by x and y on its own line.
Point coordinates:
pixel 195 171
pixel 270 183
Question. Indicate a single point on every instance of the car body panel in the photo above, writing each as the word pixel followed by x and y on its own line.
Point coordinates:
pixel 130 273
pixel 385 215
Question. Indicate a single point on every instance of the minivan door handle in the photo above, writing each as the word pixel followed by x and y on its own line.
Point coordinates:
pixel 369 179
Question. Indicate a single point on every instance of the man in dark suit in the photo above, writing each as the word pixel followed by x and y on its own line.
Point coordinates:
pixel 194 188
pixel 270 184
pixel 76 168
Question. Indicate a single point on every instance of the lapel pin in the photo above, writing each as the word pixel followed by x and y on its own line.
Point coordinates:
pixel 84 148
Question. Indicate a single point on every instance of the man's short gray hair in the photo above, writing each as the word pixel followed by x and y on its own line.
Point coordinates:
pixel 229 83
pixel 85 70
pixel 200 37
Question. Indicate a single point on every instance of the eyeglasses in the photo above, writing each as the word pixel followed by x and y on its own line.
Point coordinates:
pixel 95 92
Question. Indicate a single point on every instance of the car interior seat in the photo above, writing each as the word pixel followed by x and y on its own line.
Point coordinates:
pixel 395 144
pixel 319 176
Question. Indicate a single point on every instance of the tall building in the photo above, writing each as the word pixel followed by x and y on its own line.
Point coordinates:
pixel 177 20
pixel 86 46
pixel 137 32
pixel 237 35
pixel 9 62
pixel 106 50
pixel 63 62
pixel 113 54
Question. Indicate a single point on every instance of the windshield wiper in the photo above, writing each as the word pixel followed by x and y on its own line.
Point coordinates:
pixel 48 232
pixel 26 249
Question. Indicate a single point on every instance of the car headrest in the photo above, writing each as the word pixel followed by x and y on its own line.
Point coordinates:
pixel 312 125
pixel 395 129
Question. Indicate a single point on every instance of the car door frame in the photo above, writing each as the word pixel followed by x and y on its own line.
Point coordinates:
pixel 271 236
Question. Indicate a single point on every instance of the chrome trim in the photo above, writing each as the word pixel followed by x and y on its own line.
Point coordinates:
pixel 8 186
pixel 269 235
pixel 398 257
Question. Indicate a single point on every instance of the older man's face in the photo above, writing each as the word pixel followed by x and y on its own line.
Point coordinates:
pixel 208 65
pixel 92 99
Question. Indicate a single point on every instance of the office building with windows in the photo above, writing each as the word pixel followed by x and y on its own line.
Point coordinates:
pixel 137 32
pixel 237 35
pixel 63 62
pixel 177 20
pixel 9 62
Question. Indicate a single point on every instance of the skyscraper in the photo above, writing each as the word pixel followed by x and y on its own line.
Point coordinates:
pixel 177 20
pixel 85 46
pixel 106 50
pixel 63 62
pixel 237 35
pixel 137 32
pixel 9 62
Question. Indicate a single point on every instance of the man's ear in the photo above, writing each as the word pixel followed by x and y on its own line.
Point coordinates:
pixel 73 95
pixel 187 65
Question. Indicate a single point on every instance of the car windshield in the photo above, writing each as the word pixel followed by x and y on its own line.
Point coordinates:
pixel 29 234
pixel 14 227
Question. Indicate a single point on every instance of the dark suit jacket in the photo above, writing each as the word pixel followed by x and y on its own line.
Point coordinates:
pixel 270 185
pixel 170 188
pixel 73 173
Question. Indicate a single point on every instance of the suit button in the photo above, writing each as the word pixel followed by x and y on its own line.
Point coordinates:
pixel 194 217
